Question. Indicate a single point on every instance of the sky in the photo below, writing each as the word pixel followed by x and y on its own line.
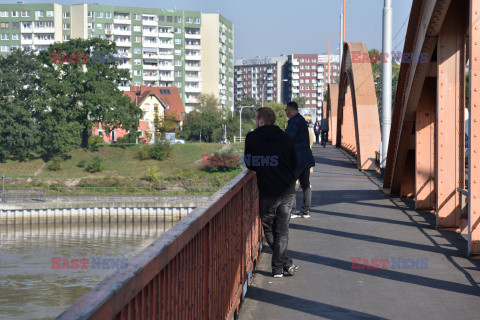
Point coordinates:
pixel 275 27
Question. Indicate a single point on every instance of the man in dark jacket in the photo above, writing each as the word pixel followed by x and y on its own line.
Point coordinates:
pixel 324 126
pixel 297 129
pixel 271 154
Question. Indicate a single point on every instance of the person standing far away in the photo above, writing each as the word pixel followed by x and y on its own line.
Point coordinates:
pixel 316 130
pixel 271 154
pixel 324 127
pixel 297 129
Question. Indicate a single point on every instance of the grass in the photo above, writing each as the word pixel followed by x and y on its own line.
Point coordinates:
pixel 123 168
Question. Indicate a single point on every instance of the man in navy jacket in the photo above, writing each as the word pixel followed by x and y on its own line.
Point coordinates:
pixel 297 129
pixel 271 154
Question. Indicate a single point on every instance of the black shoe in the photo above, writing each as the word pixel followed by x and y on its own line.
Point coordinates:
pixel 292 269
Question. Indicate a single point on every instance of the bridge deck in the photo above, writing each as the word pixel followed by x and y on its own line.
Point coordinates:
pixel 352 217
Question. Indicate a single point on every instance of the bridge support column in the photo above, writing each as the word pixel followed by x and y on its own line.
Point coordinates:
pixel 450 164
pixel 425 147
pixel 474 136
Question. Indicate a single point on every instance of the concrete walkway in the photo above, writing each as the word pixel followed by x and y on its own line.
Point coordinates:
pixel 352 217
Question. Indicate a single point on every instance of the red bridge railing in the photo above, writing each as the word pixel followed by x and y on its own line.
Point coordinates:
pixel 198 270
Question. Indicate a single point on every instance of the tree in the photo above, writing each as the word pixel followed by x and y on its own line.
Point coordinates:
pixel 88 93
pixel 376 62
pixel 204 119
pixel 300 101
pixel 167 123
pixel 20 133
pixel 281 116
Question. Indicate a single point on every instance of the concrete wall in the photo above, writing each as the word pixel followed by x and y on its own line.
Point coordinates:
pixel 210 53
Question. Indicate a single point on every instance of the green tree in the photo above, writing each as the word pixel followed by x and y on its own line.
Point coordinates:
pixel 281 116
pixel 20 133
pixel 87 94
pixel 167 123
pixel 203 120
pixel 376 62
pixel 300 101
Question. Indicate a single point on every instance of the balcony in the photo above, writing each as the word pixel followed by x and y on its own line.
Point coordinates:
pixel 191 100
pixel 193 47
pixel 150 56
pixel 269 91
pixel 43 30
pixel 193 89
pixel 26 30
pixel 27 41
pixel 43 42
pixel 295 70
pixel 166 67
pixel 240 86
pixel 165 35
pixel 295 83
pixel 166 45
pixel 147 66
pixel 122 32
pixel 295 90
pixel 122 21
pixel 320 76
pixel 125 66
pixel 150 78
pixel 193 36
pixel 295 76
pixel 195 57
pixel 166 78
pixel 193 79
pixel 295 62
pixel 165 56
pixel 147 22
pixel 193 68
pixel 123 43
pixel 149 33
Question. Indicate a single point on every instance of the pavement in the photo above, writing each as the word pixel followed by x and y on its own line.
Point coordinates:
pixel 422 273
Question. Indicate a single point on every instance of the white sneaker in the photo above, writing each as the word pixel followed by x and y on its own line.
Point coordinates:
pixel 294 216
pixel 306 215
pixel 280 275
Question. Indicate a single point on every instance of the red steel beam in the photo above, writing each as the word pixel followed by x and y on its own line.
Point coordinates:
pixel 332 110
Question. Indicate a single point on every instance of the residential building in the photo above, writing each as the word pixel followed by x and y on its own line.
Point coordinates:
pixel 160 47
pixel 260 78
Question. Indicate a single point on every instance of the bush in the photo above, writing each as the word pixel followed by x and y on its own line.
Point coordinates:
pixel 55 165
pixel 95 143
pixel 153 175
pixel 144 152
pixel 221 162
pixel 128 138
pixel 161 150
pixel 96 165
pixel 82 164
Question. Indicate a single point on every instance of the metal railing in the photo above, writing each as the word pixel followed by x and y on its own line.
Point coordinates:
pixel 197 270
pixel 43 193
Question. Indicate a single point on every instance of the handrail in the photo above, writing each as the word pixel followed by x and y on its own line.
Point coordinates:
pixel 197 270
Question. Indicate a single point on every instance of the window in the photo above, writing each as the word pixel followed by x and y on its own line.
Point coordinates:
pixel 137 17
pixel 50 13
pixel 314 60
pixel 197 20
pixel 66 37
pixel 137 50
pixel 169 19
pixel 178 73
pixel 14 13
pixel 108 15
pixel 302 60
pixel 301 80
pixel 161 18
pixel 26 13
pixel 66 26
pixel 178 30
pixel 5 49
pixel 5 36
pixel 99 26
pixel 4 25
pixel 90 14
pixel 39 14
pixel 137 62
pixel 99 14
pixel 178 19
pixel 137 28
pixel 66 14
pixel 189 20
pixel 308 60
pixel 178 41
pixel 178 52
pixel 90 25
pixel 178 63
pixel 15 48
pixel 100 133
pixel 3 14
pixel 138 39
pixel 137 73
pixel 307 67
pixel 15 37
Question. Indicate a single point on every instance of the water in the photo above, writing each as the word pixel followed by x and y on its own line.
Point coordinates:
pixel 31 289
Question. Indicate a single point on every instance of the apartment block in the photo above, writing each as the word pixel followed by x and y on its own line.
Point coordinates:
pixel 260 78
pixel 160 47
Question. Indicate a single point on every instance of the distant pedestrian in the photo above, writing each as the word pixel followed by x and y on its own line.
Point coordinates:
pixel 316 129
pixel 297 129
pixel 324 127
pixel 271 154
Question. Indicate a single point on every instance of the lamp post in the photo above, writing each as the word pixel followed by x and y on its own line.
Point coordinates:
pixel 241 109
pixel 263 89
pixel 328 56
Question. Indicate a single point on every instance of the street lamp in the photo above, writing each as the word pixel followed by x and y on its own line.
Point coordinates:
pixel 329 80
pixel 241 109
pixel 263 89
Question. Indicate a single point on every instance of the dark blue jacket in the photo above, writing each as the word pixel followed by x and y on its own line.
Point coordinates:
pixel 297 129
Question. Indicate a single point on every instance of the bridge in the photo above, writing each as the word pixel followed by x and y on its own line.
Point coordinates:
pixel 402 245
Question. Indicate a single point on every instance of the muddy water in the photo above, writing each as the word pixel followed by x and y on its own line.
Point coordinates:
pixel 39 277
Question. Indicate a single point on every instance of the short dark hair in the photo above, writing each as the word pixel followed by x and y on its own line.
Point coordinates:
pixel 292 105
pixel 267 115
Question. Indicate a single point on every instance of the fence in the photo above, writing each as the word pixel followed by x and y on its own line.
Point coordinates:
pixel 238 139
pixel 44 193
pixel 198 270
